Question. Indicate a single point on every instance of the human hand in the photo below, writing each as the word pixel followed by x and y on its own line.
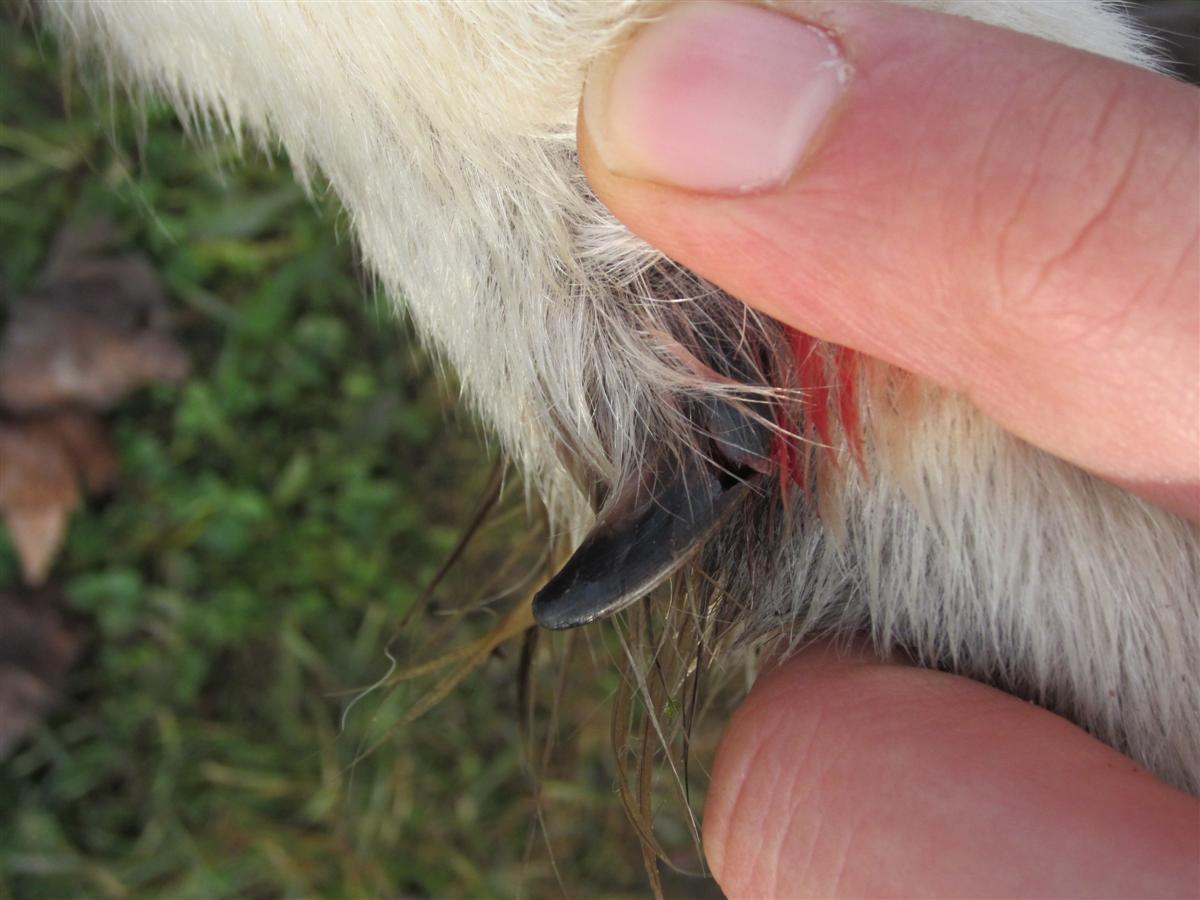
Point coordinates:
pixel 1009 218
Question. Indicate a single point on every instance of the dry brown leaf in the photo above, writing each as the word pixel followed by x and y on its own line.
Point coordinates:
pixel 95 330
pixel 36 534
pixel 42 462
pixel 39 489
pixel 36 650
pixel 35 467
pixel 85 438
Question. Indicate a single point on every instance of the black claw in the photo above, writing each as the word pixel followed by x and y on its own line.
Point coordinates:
pixel 654 526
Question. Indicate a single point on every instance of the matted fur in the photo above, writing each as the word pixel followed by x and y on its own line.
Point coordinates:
pixel 447 131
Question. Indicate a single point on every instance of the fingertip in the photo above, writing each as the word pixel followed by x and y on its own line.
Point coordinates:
pixel 764 753
pixel 841 776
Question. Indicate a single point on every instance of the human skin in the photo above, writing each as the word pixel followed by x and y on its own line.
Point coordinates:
pixel 1011 219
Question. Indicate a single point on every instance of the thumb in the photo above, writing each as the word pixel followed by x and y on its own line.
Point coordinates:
pixel 843 776
pixel 1011 218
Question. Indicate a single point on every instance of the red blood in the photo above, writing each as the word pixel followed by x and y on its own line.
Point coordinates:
pixel 825 379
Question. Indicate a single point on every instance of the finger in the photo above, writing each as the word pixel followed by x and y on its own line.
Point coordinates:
pixel 1011 218
pixel 847 777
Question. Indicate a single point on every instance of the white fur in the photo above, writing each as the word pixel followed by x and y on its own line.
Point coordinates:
pixel 447 130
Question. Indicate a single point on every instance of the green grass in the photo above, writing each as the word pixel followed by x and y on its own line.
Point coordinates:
pixel 277 515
